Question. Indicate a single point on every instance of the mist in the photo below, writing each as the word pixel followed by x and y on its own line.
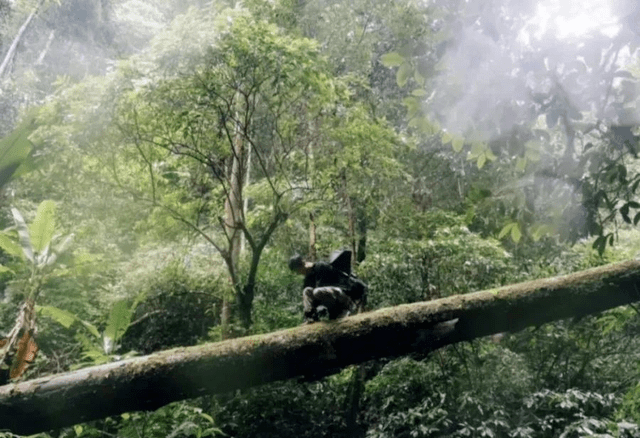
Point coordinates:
pixel 503 67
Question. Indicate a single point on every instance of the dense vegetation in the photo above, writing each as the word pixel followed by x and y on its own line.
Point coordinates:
pixel 162 160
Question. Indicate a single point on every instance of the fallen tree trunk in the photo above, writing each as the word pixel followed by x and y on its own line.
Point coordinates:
pixel 152 381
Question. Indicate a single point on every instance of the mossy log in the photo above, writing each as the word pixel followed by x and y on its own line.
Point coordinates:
pixel 148 382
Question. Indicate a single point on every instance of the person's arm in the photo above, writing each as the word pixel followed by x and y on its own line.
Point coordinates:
pixel 310 279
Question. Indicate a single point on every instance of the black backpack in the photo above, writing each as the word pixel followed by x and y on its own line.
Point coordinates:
pixel 355 288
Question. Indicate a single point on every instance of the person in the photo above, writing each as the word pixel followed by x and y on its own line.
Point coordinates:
pixel 329 287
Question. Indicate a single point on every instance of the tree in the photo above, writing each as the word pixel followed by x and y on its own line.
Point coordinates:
pixel 314 350
pixel 362 162
pixel 237 126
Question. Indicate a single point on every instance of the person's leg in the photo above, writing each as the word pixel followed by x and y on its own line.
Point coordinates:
pixel 309 305
pixel 337 303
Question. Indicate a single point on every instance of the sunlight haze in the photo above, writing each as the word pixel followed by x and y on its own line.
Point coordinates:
pixel 568 20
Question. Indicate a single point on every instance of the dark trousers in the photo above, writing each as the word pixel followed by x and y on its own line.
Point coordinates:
pixel 337 303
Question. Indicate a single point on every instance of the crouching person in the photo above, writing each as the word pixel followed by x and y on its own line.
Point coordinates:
pixel 329 288
pixel 328 301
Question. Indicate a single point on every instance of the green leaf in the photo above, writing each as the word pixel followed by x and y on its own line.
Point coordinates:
pixel 600 244
pixel 482 160
pixel 412 104
pixel 91 351
pixel 62 317
pixel 477 149
pixel 92 328
pixel 392 59
pixel 469 215
pixel 516 234
pixel 23 233
pixel 506 230
pixel 10 246
pixel 512 228
pixel 537 232
pixel 58 250
pixel 15 149
pixel 66 318
pixel 119 320
pixel 532 155
pixel 457 144
pixel 419 92
pixel 403 74
pixel 207 417
pixel 43 226
pixel 423 124
pixel 624 212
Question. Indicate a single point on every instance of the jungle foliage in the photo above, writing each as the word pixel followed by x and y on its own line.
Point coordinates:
pixel 191 147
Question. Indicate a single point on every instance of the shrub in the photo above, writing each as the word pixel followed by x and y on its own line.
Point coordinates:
pixel 176 310
pixel 447 261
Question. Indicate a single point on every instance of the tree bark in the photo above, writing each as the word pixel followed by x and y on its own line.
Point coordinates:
pixel 152 381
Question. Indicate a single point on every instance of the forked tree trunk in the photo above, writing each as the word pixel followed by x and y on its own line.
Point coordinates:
pixel 152 381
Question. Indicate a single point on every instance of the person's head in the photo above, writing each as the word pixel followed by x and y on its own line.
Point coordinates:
pixel 298 265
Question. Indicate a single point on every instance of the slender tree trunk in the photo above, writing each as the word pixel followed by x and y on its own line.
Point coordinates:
pixel 351 216
pixel 358 225
pixel 245 201
pixel 313 253
pixel 14 45
pixel 47 46
pixel 361 238
pixel 245 297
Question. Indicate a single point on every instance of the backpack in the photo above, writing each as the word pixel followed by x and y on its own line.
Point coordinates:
pixel 355 288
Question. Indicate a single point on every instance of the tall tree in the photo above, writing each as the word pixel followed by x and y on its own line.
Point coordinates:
pixel 254 94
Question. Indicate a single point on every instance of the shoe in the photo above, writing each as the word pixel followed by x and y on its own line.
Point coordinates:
pixel 310 318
